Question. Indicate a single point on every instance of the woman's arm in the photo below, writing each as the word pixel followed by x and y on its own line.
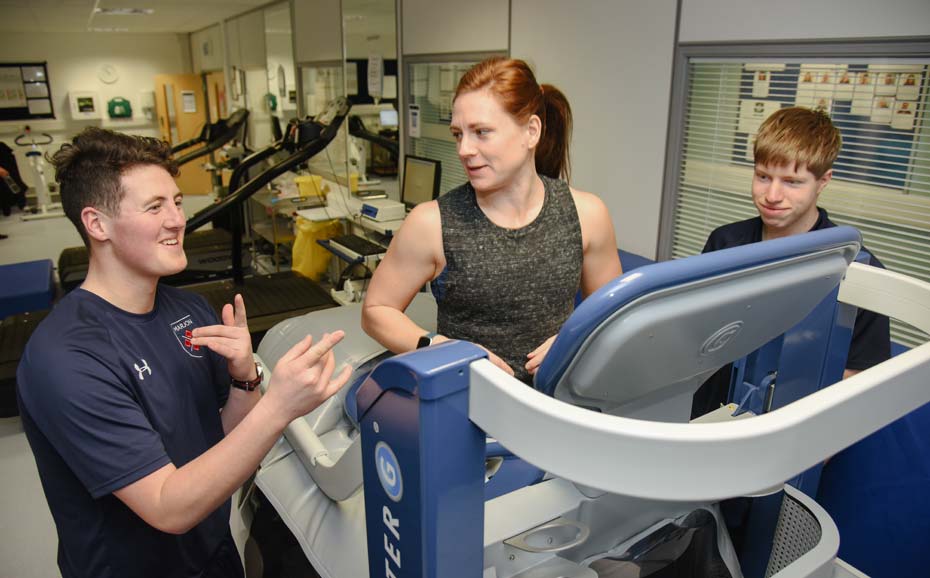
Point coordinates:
pixel 413 259
pixel 601 260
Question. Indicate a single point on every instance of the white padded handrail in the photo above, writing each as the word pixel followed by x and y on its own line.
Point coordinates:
pixel 888 293
pixel 711 461
pixel 337 478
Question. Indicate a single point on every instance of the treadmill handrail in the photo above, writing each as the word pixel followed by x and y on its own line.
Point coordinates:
pixel 358 129
pixel 204 150
pixel 646 459
pixel 253 186
pixel 215 135
pixel 239 195
pixel 238 174
pixel 187 144
pixel 338 478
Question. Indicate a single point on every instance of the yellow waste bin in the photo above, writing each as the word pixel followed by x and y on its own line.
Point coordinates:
pixel 308 257
pixel 311 186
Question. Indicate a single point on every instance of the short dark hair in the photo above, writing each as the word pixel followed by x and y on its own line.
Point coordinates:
pixel 89 168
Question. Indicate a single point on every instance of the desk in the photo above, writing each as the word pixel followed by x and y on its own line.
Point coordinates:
pixel 342 205
pixel 271 220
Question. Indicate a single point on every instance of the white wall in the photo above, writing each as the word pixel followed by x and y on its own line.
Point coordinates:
pixel 362 45
pixel 207 49
pixel 318 29
pixel 445 26
pixel 613 60
pixel 73 62
pixel 752 20
pixel 256 81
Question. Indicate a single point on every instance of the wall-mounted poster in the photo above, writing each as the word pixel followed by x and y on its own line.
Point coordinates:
pixel 188 101
pixel 85 105
pixel 753 112
pixel 825 83
pixel 908 86
pixel 887 84
pixel 806 87
pixel 903 117
pixel 878 127
pixel 824 103
pixel 863 93
pixel 413 120
pixel 844 85
pixel 760 84
pixel 882 109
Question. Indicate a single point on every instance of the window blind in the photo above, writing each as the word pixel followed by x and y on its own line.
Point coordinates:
pixel 881 180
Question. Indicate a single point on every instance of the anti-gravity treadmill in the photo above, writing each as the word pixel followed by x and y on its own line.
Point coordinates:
pixel 207 251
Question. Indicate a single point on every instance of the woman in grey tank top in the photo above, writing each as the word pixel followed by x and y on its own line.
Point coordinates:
pixel 507 251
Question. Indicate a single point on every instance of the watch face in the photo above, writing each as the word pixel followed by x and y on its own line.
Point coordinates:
pixel 424 341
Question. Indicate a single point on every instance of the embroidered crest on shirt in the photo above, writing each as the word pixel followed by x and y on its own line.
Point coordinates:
pixel 183 332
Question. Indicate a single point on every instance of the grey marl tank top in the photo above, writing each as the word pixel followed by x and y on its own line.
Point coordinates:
pixel 508 289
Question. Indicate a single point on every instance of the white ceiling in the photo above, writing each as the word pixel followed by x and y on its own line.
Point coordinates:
pixel 178 16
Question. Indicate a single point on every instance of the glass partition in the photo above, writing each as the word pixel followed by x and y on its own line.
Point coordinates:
pixel 281 97
pixel 320 84
pixel 370 34
pixel 430 87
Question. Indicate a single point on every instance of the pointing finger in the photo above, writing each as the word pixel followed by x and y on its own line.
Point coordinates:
pixel 241 318
pixel 299 348
pixel 326 343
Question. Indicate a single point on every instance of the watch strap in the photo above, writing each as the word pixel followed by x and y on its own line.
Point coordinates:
pixel 251 384
pixel 426 340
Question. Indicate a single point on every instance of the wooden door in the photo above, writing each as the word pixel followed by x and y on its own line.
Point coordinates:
pixel 181 109
pixel 216 95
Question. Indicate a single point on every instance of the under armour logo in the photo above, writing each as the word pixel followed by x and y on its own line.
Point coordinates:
pixel 145 368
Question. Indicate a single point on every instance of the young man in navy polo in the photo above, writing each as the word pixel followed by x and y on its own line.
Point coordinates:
pixel 794 154
pixel 141 407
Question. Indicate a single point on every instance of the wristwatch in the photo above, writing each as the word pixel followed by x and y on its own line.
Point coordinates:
pixel 251 384
pixel 425 340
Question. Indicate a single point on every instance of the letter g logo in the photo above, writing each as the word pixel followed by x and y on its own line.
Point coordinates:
pixel 389 471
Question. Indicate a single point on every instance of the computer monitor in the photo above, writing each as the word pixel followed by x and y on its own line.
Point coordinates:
pixel 421 180
pixel 388 118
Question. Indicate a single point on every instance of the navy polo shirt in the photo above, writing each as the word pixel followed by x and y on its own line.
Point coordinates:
pixel 107 397
pixel 871 342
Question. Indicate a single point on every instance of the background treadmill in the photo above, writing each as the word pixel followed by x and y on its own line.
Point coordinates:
pixel 278 296
pixel 207 251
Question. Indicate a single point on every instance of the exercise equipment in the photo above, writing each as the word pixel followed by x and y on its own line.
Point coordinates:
pixel 45 208
pixel 271 298
pixel 610 476
pixel 213 136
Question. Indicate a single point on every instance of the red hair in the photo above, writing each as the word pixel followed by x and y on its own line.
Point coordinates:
pixel 515 86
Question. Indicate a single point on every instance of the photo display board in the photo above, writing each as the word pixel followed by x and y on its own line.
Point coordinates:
pixel 25 92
